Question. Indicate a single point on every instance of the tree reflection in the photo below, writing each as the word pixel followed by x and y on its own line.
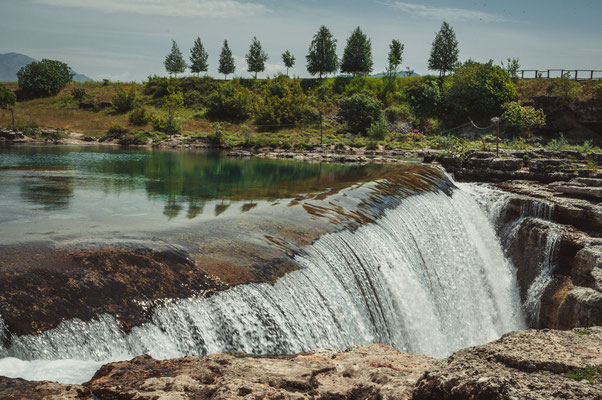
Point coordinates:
pixel 52 193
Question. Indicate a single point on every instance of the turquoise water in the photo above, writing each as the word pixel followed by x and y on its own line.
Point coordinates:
pixel 66 190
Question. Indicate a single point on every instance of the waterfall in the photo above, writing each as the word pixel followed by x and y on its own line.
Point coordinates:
pixel 428 277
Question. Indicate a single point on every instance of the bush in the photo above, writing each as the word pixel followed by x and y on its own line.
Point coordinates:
pixel 231 102
pixel 79 94
pixel 522 119
pixel 598 91
pixel 116 131
pixel 157 122
pixel 558 144
pixel 399 113
pixel 565 89
pixel 124 101
pixel 44 78
pixel 425 98
pixel 138 117
pixel 137 138
pixel 360 111
pixel 217 137
pixel 478 91
pixel 379 129
pixel 193 98
pixel 282 102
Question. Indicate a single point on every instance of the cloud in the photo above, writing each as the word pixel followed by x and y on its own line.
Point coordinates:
pixel 270 69
pixel 446 13
pixel 169 8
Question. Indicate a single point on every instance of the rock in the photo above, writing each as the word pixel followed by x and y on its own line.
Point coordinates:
pixel 551 299
pixel 527 365
pixel 20 389
pixel 581 308
pixel 581 190
pixel 86 106
pixel 587 268
pixel 105 104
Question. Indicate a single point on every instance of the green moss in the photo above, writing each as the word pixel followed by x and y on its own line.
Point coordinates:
pixel 582 332
pixel 588 374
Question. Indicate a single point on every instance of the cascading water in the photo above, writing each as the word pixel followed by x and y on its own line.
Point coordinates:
pixel 428 277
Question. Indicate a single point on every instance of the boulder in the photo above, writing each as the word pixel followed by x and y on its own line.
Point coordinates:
pixel 582 307
pixel 527 365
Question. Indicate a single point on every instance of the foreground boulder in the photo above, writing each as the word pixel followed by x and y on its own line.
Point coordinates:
pixel 527 365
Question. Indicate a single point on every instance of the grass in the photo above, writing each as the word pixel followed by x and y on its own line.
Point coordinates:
pixel 529 88
pixel 589 374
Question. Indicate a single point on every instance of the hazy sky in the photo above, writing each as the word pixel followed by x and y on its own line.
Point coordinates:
pixel 128 39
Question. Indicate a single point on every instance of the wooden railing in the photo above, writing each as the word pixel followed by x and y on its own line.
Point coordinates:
pixel 576 74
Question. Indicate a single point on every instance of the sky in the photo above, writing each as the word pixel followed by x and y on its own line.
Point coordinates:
pixel 126 40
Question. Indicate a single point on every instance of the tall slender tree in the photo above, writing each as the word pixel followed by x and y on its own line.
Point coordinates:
pixel 357 57
pixel 174 61
pixel 198 58
pixel 395 57
pixel 288 59
pixel 256 57
pixel 444 53
pixel 322 57
pixel 226 61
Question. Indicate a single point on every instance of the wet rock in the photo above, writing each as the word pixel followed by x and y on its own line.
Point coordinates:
pixel 529 365
pixel 581 308
pixel 587 268
pixel 20 389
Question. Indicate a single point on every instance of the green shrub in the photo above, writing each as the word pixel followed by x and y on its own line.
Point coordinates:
pixel 246 134
pixel 217 137
pixel 478 91
pixel 379 129
pixel 231 102
pixel 399 113
pixel 44 78
pixel 425 98
pixel 124 101
pixel 558 144
pixel 116 131
pixel 372 145
pixel 522 119
pixel 588 374
pixel 78 94
pixel 137 138
pixel 159 86
pixel 360 111
pixel 282 102
pixel 597 94
pixel 157 122
pixel 138 116
pixel 565 89
pixel 193 98
pixel 28 127
pixel 431 126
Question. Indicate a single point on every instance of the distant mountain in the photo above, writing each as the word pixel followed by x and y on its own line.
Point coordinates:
pixel 11 63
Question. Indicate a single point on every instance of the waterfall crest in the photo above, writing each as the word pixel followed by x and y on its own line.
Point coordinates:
pixel 428 277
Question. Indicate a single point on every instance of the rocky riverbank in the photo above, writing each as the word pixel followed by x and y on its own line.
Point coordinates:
pixel 521 365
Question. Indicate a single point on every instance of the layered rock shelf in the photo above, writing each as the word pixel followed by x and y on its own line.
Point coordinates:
pixel 521 365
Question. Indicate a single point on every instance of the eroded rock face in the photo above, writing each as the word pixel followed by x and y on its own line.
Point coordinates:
pixel 528 365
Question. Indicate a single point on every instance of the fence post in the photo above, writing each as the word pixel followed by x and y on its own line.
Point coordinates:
pixel 592 75
pixel 536 73
pixel 576 72
pixel 548 74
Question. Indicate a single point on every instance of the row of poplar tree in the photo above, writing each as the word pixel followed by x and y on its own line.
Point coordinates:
pixel 321 58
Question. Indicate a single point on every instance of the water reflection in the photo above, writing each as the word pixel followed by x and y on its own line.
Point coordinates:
pixel 52 176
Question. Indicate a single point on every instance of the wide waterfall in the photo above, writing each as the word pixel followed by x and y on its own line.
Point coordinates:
pixel 428 277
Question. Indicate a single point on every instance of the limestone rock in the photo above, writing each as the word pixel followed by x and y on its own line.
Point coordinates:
pixel 527 365
pixel 581 308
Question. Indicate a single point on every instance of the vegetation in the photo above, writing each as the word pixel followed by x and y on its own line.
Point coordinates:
pixel 44 78
pixel 198 58
pixel 588 374
pixel 394 58
pixel 8 100
pixel 357 57
pixel 256 58
pixel 288 59
pixel 124 100
pixel 322 57
pixel 174 61
pixel 444 53
pixel 522 119
pixel 360 111
pixel 565 89
pixel 512 66
pixel 226 61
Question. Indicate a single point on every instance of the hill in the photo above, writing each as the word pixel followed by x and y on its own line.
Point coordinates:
pixel 11 63
pixel 400 74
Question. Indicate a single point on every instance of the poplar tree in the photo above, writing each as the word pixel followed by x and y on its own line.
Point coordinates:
pixel 174 61
pixel 288 59
pixel 198 58
pixel 226 61
pixel 395 57
pixel 357 57
pixel 444 53
pixel 256 57
pixel 322 57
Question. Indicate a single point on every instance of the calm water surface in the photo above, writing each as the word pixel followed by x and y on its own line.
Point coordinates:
pixel 88 190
